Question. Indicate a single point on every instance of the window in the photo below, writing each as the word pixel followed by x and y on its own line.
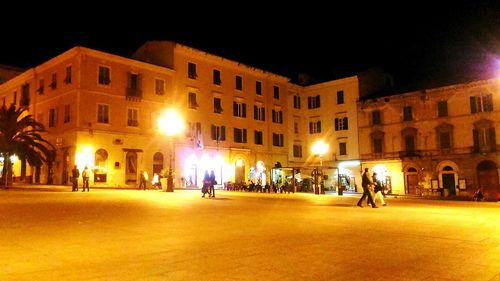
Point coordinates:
pixel 377 144
pixel 484 136
pixel 340 97
pixel 296 101
pixel 444 134
pixel 41 86
pixel 259 112
pixel 409 136
pixel 192 70
pixel 132 117
pixel 410 145
pixel 25 95
pixel 159 87
pixel 216 77
pixel 239 109
pixel 67 113
pixel 313 102
pixel 67 79
pixel 239 83
pixel 276 91
pixel 218 133
pixel 444 140
pixel 297 150
pixel 482 103
pixel 103 113
pixel 52 117
pixel 53 82
pixel 258 88
pixel 315 127
pixel 240 135
pixel 376 117
pixel 277 116
pixel 341 124
pixel 217 105
pixel 258 137
pixel 192 101
pixel 442 108
pixel 407 113
pixel 296 127
pixel 278 140
pixel 133 81
pixel 104 75
pixel 342 148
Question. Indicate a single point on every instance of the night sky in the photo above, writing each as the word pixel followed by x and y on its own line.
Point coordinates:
pixel 421 45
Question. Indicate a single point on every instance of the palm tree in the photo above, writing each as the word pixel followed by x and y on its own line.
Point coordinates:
pixel 20 134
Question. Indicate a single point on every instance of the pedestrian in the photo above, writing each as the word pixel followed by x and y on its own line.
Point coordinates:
pixel 213 182
pixel 75 174
pixel 206 184
pixel 85 177
pixel 143 180
pixel 365 182
pixel 378 190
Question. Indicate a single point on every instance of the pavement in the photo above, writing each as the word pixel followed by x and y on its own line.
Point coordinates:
pixel 51 233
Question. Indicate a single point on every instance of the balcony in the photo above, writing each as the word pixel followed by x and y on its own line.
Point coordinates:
pixel 409 154
pixel 134 94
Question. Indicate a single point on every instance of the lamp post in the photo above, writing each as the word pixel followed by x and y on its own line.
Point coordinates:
pixel 171 124
pixel 319 148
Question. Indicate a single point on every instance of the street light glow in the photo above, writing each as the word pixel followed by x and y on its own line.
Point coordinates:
pixel 170 123
pixel 319 148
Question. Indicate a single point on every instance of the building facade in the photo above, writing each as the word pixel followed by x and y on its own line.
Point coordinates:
pixel 101 111
pixel 440 140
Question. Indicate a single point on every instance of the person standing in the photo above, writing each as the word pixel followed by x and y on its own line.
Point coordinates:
pixel 75 174
pixel 211 190
pixel 365 181
pixel 206 184
pixel 85 177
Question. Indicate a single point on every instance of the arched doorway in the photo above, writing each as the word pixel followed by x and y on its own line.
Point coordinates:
pixel 448 176
pixel 239 171
pixel 101 165
pixel 487 178
pixel 157 163
pixel 131 168
pixel 411 181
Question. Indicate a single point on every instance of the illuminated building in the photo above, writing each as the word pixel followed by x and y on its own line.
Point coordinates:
pixel 441 140
pixel 101 111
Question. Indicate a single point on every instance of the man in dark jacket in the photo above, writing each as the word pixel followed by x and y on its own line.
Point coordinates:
pixel 365 181
pixel 75 174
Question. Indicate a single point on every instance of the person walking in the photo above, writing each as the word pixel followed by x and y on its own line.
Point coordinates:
pixel 378 190
pixel 85 177
pixel 211 190
pixel 75 174
pixel 143 180
pixel 365 181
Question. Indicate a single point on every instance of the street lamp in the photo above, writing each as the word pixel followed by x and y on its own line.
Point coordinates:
pixel 171 124
pixel 319 148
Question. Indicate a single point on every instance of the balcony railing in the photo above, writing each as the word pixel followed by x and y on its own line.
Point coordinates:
pixel 134 94
pixel 406 154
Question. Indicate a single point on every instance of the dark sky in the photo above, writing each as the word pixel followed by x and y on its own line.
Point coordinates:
pixel 421 45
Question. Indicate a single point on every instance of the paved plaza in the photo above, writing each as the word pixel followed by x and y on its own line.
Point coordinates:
pixel 55 234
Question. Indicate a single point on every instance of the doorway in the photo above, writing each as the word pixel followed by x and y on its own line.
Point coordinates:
pixel 131 168
pixel 449 180
pixel 411 181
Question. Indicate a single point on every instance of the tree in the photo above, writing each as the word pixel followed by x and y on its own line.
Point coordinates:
pixel 20 134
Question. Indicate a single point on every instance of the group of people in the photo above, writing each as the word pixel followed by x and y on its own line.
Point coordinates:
pixel 75 174
pixel 208 184
pixel 371 185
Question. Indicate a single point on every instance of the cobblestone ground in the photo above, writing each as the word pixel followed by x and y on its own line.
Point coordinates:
pixel 54 234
